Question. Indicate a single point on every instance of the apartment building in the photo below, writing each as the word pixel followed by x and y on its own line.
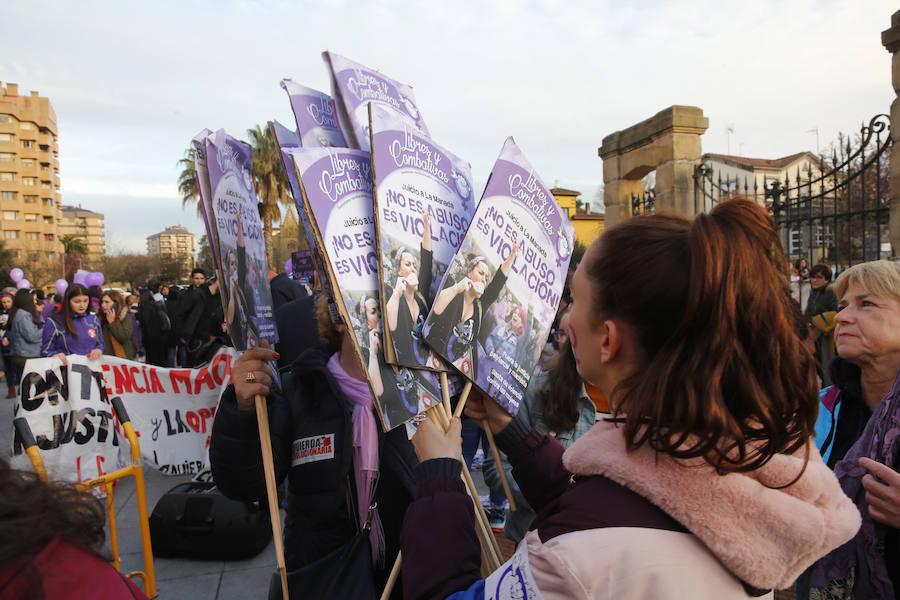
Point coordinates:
pixel 86 225
pixel 29 175
pixel 173 242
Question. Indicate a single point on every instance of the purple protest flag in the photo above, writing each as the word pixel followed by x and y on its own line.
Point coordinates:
pixel 316 116
pixel 244 285
pixel 499 296
pixel 354 86
pixel 201 172
pixel 423 206
pixel 336 190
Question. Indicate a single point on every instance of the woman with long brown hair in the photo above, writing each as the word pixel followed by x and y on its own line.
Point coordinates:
pixel 118 325
pixel 73 329
pixel 704 483
pixel 25 329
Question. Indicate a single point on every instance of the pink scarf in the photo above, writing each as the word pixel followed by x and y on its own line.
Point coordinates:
pixel 365 450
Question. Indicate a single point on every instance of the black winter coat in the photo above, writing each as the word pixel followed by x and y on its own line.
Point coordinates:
pixel 312 407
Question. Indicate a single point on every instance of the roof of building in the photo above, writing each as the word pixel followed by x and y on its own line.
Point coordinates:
pixel 582 214
pixel 558 191
pixel 80 211
pixel 761 163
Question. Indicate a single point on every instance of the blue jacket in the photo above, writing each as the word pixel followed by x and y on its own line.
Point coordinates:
pixel 56 340
pixel 24 336
pixel 531 412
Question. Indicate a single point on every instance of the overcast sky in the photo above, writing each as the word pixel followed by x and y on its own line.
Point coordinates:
pixel 132 84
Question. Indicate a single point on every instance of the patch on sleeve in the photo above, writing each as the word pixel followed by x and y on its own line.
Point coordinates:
pixel 513 580
pixel 311 449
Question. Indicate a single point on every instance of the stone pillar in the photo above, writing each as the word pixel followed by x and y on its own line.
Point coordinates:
pixel 890 38
pixel 668 142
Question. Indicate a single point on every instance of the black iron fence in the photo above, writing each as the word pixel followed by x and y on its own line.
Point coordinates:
pixel 835 212
pixel 643 203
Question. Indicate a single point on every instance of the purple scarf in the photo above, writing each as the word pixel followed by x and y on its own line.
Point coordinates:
pixel 880 441
pixel 365 450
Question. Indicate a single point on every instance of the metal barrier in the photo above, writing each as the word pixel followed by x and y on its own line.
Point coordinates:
pixel 107 481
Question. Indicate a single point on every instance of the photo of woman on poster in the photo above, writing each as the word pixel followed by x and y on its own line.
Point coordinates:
pixel 402 389
pixel 407 305
pixel 241 308
pixel 511 338
pixel 458 311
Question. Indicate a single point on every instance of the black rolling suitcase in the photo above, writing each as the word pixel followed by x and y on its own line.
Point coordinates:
pixel 195 520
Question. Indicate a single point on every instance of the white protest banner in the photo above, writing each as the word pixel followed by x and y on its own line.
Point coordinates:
pixel 71 418
pixel 172 410
pixel 70 413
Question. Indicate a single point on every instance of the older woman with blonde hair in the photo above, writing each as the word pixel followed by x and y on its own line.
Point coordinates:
pixel 858 432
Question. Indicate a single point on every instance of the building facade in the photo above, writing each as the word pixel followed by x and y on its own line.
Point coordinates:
pixel 87 226
pixel 30 210
pixel 588 225
pixel 175 242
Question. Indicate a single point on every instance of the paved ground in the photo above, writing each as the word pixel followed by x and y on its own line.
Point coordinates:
pixel 179 579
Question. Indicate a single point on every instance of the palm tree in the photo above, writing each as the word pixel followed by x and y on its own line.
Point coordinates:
pixel 188 186
pixel 269 180
pixel 74 248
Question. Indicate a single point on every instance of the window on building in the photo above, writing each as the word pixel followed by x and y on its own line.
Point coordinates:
pixel 52 255
pixel 30 199
pixel 26 125
pixel 4 118
pixel 6 137
pixel 28 181
pixel 48 220
pixel 7 156
pixel 27 162
pixel 31 236
pixel 9 195
pixel 10 215
pixel 45 185
pixel 48 201
pixel 10 235
pixel 28 143
pixel 48 237
pixel 31 217
pixel 45 148
pixel 7 176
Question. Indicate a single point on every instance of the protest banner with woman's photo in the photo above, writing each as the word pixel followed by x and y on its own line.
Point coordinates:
pixel 316 116
pixel 242 247
pixel 354 86
pixel 336 192
pixel 500 293
pixel 423 206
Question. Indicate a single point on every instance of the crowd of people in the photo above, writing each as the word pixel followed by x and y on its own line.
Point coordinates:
pixel 162 324
pixel 689 431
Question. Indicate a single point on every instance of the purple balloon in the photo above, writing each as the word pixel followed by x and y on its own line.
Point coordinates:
pixel 16 274
pixel 61 286
pixel 289 266
pixel 81 278
pixel 90 279
pixel 99 278
pixel 23 284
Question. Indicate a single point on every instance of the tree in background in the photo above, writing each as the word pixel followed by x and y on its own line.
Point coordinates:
pixel 74 248
pixel 42 271
pixel 272 189
pixel 188 186
pixel 6 264
pixel 131 269
pixel 204 256
pixel 171 269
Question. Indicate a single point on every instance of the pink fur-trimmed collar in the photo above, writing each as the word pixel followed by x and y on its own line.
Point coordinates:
pixel 765 537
